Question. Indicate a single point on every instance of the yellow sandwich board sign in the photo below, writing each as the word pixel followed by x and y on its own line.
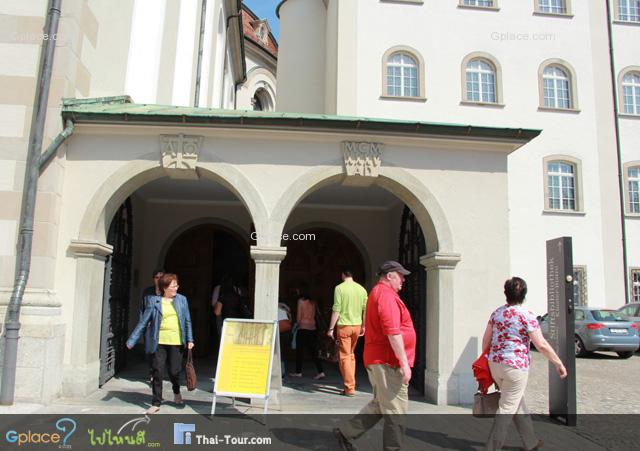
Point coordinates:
pixel 245 359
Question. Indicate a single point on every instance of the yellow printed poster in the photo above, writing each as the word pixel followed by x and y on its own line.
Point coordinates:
pixel 246 351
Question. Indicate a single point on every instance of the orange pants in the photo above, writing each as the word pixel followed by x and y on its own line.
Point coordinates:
pixel 347 340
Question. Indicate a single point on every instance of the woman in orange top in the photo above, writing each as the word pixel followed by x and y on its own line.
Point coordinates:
pixel 306 337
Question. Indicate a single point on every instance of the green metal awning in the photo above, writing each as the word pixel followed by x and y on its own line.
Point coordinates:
pixel 121 109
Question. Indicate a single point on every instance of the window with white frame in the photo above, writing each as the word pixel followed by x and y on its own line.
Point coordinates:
pixel 635 284
pixel 557 87
pixel 631 93
pixel 633 180
pixel 561 185
pixel 580 285
pixel 481 81
pixel 402 75
pixel 486 3
pixel 629 10
pixel 552 6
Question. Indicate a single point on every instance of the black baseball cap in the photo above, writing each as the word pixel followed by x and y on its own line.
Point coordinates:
pixel 391 266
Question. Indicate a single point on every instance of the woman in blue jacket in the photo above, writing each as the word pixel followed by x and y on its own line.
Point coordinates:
pixel 169 323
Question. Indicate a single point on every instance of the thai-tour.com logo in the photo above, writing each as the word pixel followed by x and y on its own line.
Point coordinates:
pixel 129 434
pixel 182 433
pixel 185 434
pixel 64 429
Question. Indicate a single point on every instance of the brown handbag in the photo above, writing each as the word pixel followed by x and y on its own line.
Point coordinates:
pixel 190 372
pixel 485 405
pixel 328 349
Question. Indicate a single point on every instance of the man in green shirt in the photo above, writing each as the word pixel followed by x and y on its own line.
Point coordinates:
pixel 349 303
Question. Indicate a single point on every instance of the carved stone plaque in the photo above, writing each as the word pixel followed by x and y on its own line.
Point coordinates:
pixel 362 162
pixel 179 155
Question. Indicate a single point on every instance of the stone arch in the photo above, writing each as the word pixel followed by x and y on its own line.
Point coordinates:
pixel 126 180
pixel 439 262
pixel 396 180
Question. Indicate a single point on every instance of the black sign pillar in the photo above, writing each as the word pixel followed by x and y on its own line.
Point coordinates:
pixel 562 392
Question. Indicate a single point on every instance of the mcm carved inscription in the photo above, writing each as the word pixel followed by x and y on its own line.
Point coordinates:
pixel 362 158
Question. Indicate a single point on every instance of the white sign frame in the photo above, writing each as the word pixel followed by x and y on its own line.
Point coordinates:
pixel 232 395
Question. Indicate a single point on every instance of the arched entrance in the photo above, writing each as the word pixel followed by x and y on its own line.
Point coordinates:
pixel 383 227
pixel 202 257
pixel 379 226
pixel 164 210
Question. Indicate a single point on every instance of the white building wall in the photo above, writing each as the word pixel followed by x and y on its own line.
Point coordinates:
pixel 627 53
pixel 519 41
pixel 301 57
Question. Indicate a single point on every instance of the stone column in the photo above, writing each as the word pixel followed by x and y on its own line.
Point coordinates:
pixel 440 382
pixel 267 261
pixel 82 370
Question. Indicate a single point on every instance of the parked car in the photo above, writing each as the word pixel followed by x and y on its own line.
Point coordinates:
pixel 599 329
pixel 631 312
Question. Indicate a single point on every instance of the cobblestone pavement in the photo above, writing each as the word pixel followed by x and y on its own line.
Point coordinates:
pixel 605 392
pixel 605 384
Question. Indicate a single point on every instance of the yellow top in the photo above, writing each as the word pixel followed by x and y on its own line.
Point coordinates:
pixel 169 326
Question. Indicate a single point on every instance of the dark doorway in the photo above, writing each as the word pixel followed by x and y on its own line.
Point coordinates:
pixel 313 266
pixel 414 290
pixel 201 257
pixel 115 299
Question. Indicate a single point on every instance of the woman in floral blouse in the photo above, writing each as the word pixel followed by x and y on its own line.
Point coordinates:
pixel 506 341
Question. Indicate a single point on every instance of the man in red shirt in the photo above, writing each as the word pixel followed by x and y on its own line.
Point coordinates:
pixel 389 353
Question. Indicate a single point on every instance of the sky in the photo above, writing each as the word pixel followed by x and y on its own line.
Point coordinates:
pixel 266 9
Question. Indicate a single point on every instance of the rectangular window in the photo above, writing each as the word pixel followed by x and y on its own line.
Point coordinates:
pixel 473 86
pixel 394 81
pixel 562 192
pixel 488 3
pixel 580 286
pixel 488 88
pixel 629 10
pixel 411 82
pixel 628 100
pixel 553 6
pixel 635 285
pixel 634 187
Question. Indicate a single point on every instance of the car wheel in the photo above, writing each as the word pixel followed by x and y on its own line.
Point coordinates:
pixel 580 349
pixel 625 354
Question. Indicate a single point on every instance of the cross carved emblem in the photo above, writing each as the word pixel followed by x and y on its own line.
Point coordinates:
pixel 179 155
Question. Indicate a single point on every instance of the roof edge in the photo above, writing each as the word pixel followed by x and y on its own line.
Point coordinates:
pixel 120 109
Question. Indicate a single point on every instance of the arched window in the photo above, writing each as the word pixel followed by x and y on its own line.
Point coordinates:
pixel 262 101
pixel 557 84
pixel 552 6
pixel 557 91
pixel 481 81
pixel 631 93
pixel 562 184
pixel 402 75
pixel 628 10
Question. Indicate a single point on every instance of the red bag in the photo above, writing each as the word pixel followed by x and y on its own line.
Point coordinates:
pixel 482 373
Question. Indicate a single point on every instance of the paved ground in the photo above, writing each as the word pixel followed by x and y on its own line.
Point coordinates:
pixel 604 386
